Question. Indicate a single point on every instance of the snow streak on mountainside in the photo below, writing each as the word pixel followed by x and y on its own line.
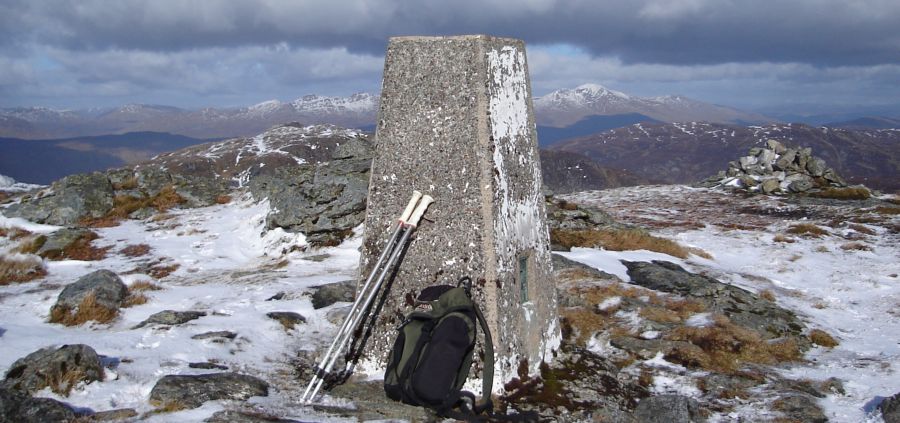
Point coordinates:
pixel 565 107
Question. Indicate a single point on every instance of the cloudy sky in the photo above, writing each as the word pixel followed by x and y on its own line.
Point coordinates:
pixel 805 56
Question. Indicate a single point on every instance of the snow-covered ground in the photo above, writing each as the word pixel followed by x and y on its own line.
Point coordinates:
pixel 853 295
pixel 228 266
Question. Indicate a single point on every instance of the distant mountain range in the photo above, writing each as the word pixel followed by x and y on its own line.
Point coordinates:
pixel 689 152
pixel 580 111
pixel 43 123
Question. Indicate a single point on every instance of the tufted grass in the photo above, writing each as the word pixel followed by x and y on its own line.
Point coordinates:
pixel 621 240
pixel 20 268
pixel 87 310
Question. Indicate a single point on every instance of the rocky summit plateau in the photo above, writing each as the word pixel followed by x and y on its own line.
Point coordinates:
pixel 203 285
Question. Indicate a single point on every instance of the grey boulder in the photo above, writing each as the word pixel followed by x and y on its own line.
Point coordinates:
pixel 191 391
pixel 58 368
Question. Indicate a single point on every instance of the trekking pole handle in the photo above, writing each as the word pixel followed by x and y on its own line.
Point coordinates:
pixel 411 206
pixel 420 210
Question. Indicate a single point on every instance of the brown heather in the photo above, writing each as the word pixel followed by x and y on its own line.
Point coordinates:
pixel 855 246
pixel 80 249
pixel 30 244
pixel 887 210
pixel 807 229
pixel 134 299
pixel 565 205
pixel 223 199
pixel 820 337
pixel 852 193
pixel 767 295
pixel 141 286
pixel 726 347
pixel 159 271
pixel 861 229
pixel 124 205
pixel 130 183
pixel 13 233
pixel 783 238
pixel 135 250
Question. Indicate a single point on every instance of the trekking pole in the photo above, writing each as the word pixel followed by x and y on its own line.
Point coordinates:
pixel 354 320
pixel 346 328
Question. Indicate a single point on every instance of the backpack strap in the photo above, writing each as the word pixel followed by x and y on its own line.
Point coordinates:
pixel 487 376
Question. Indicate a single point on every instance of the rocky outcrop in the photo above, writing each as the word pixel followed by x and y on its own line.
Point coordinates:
pixel 68 201
pixel 741 306
pixel 60 369
pixel 323 201
pixel 776 169
pixel 191 391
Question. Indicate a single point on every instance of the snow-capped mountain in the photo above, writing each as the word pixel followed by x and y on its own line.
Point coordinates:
pixel 564 107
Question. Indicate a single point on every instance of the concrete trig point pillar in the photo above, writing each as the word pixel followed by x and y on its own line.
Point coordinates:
pixel 457 123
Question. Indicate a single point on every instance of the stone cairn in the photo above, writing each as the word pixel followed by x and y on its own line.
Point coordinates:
pixel 776 169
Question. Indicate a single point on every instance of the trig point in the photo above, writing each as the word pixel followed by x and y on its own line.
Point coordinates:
pixel 457 123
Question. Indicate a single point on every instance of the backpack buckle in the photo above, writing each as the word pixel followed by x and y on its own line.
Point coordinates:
pixel 466 283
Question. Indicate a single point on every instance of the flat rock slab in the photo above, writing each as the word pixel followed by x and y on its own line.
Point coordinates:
pixel 58 368
pixel 171 318
pixel 192 391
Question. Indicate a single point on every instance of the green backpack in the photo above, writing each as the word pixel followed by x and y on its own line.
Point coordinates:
pixel 432 355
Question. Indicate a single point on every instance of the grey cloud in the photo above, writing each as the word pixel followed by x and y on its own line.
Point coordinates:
pixel 822 33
